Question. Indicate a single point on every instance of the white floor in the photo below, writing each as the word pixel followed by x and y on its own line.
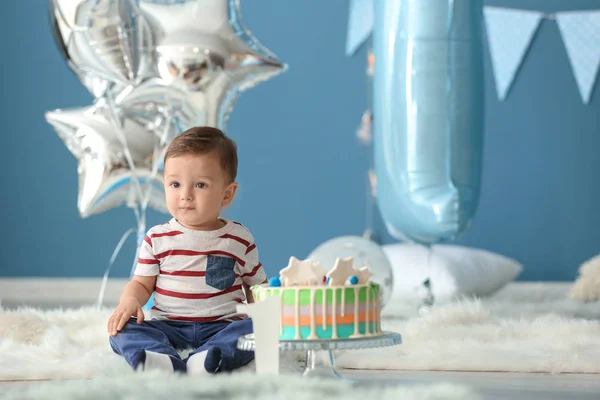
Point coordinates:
pixel 488 385
pixel 496 385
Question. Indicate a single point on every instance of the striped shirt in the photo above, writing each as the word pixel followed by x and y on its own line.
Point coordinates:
pixel 199 274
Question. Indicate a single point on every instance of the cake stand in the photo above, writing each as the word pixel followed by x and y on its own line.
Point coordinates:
pixel 325 366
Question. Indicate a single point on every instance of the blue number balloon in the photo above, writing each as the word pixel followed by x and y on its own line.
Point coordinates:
pixel 428 112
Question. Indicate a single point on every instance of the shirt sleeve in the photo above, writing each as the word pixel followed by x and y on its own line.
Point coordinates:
pixel 147 264
pixel 253 272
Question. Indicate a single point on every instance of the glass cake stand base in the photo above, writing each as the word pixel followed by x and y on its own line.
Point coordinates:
pixel 325 366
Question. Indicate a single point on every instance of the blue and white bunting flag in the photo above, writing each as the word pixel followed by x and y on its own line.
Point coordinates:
pixel 509 33
pixel 580 31
pixel 360 24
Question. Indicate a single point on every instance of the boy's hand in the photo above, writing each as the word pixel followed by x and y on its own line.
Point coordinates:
pixel 127 308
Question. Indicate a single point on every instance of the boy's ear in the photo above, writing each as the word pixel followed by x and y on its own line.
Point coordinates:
pixel 229 194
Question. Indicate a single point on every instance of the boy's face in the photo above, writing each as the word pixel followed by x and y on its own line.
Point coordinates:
pixel 196 189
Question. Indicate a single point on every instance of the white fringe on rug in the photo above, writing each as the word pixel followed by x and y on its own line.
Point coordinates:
pixel 243 386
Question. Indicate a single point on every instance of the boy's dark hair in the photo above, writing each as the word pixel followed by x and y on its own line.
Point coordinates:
pixel 204 140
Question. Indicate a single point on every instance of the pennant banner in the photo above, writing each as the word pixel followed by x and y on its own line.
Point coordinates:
pixel 509 35
pixel 360 24
pixel 580 32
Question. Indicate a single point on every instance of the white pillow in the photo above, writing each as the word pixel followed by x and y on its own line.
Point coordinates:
pixel 453 270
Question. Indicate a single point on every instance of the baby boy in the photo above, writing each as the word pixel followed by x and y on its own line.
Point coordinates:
pixel 198 265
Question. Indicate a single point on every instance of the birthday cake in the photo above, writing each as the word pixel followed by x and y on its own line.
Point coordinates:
pixel 342 303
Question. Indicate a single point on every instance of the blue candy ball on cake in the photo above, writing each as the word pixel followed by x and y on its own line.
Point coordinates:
pixel 353 279
pixel 274 281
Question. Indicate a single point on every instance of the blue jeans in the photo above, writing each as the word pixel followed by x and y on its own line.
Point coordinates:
pixel 166 337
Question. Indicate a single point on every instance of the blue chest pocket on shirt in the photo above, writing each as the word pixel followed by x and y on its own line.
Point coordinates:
pixel 220 272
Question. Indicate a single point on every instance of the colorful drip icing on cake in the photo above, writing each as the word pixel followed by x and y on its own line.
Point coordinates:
pixel 341 303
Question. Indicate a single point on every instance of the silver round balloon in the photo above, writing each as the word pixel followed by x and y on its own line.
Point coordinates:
pixel 203 49
pixel 62 34
pixel 103 41
pixel 105 177
pixel 364 252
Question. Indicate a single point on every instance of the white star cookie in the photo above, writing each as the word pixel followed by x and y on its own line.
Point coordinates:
pixel 363 275
pixel 316 274
pixel 341 271
pixel 301 273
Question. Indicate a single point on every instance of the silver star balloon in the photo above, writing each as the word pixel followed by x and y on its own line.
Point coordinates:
pixel 203 49
pixel 162 66
pixel 106 179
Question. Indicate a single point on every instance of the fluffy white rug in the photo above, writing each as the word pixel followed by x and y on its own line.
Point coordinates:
pixel 525 327
pixel 237 386
pixel 587 285
pixel 69 344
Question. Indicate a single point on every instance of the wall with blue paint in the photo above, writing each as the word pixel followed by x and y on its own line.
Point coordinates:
pixel 302 170
pixel 541 163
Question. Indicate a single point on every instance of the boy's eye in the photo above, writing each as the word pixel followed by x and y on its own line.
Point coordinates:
pixel 175 184
pixel 200 185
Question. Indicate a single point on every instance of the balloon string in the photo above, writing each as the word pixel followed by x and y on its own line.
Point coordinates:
pixel 141 230
pixel 110 264
pixel 157 157
pixel 140 214
pixel 157 160
pixel 140 207
pixel 114 120
pixel 146 199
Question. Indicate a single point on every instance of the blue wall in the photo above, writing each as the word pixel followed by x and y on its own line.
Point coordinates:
pixel 541 163
pixel 539 189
